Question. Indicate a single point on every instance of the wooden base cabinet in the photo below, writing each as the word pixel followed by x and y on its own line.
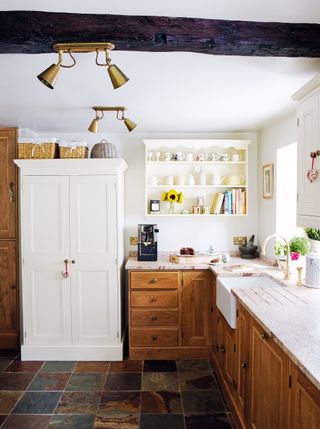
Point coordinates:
pixel 305 402
pixel 9 296
pixel 170 314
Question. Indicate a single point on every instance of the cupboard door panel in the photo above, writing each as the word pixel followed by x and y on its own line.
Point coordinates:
pixel 94 246
pixel 8 295
pixel 45 244
pixel 197 308
pixel 8 200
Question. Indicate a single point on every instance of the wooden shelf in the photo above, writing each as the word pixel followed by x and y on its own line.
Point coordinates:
pixel 197 186
pixel 190 215
pixel 195 162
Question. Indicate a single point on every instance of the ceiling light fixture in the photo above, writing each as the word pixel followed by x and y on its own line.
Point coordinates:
pixel 94 126
pixel 49 76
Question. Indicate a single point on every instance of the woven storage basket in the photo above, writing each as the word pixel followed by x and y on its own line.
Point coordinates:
pixel 73 150
pixel 45 148
pixel 104 150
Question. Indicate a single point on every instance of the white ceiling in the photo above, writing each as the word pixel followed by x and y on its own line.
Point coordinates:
pixel 173 92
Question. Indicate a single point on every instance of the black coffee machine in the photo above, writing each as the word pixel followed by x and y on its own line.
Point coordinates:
pixel 147 242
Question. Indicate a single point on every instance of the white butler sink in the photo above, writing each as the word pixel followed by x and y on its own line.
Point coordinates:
pixel 226 301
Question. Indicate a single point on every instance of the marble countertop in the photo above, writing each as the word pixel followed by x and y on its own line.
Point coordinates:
pixel 288 313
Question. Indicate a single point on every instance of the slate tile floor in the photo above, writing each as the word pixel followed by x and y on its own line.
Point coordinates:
pixel 118 395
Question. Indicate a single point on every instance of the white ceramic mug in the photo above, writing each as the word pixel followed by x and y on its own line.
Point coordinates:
pixel 235 179
pixel 178 156
pixel 217 180
pixel 150 156
pixel 153 180
pixel 166 156
pixel 225 157
pixel 213 157
pixel 201 157
pixel 169 180
pixel 179 180
pixel 189 157
pixel 235 157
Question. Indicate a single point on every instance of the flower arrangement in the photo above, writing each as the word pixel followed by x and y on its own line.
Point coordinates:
pixel 299 246
pixel 173 197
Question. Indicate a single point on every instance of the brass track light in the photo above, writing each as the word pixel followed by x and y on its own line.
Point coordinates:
pixel 94 126
pixel 49 76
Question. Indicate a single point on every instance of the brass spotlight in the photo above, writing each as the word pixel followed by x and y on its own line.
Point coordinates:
pixel 49 76
pixel 94 126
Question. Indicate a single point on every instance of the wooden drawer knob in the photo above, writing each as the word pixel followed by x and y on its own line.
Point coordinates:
pixel 154 318
pixel 154 280
pixel 154 337
pixel 264 335
pixel 154 299
pixel 244 365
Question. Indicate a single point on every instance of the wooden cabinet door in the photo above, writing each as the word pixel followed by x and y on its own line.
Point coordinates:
pixel 269 382
pixel 230 356
pixel 45 246
pixel 197 308
pixel 308 141
pixel 8 296
pixel 8 197
pixel 305 409
pixel 95 294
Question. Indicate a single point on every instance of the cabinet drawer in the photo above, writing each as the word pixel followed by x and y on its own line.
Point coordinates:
pixel 154 317
pixel 154 337
pixel 154 279
pixel 154 298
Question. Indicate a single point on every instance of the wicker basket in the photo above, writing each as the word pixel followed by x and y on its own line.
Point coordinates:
pixel 104 150
pixel 73 150
pixel 29 148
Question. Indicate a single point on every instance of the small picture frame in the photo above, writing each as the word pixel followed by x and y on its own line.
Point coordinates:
pixel 267 181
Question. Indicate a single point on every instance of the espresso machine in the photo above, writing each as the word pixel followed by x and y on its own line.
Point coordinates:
pixel 147 242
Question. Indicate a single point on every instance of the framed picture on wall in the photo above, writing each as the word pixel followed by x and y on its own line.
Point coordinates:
pixel 267 181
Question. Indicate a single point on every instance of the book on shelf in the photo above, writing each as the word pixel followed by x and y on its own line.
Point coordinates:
pixel 229 202
pixel 217 203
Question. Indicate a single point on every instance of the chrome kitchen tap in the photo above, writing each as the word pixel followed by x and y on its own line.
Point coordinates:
pixel 263 252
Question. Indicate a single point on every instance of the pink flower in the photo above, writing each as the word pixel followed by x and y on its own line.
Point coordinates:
pixel 295 256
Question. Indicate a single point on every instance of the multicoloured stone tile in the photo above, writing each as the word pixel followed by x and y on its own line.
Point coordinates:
pixel 58 366
pixel 78 403
pixel 161 402
pixel 37 403
pixel 15 380
pixel 194 365
pixel 2 418
pixel 160 366
pixel 119 404
pixel 104 421
pixel 123 381
pixel 8 400
pixel 24 366
pixel 204 402
pixel 217 421
pixel 126 366
pixel 92 367
pixel 49 381
pixel 86 382
pixel 4 363
pixel 160 381
pixel 196 381
pixel 26 422
pixel 161 421
pixel 72 421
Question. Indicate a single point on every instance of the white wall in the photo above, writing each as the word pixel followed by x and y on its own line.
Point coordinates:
pixel 281 132
pixel 175 233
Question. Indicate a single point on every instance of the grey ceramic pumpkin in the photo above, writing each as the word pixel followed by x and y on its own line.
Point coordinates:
pixel 104 150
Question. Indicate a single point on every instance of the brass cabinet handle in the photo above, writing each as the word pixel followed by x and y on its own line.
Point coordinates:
pixel 264 335
pixel 154 299
pixel 11 192
pixel 154 318
pixel 222 349
pixel 13 287
pixel 154 338
pixel 154 280
pixel 244 365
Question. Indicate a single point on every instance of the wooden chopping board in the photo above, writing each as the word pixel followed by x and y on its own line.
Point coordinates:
pixel 194 259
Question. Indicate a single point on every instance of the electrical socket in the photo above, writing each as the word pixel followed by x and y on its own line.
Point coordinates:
pixel 240 241
pixel 133 241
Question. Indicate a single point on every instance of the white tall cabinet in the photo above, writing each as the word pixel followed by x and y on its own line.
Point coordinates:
pixel 308 121
pixel 72 254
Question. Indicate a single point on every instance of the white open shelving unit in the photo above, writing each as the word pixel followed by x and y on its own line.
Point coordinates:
pixel 162 169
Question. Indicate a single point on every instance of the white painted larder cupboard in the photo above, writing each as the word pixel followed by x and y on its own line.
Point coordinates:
pixel 71 253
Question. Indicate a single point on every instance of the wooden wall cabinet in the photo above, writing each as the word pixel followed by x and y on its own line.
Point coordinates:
pixel 9 299
pixel 170 314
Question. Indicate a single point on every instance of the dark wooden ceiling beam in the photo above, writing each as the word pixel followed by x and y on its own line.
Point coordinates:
pixel 35 32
